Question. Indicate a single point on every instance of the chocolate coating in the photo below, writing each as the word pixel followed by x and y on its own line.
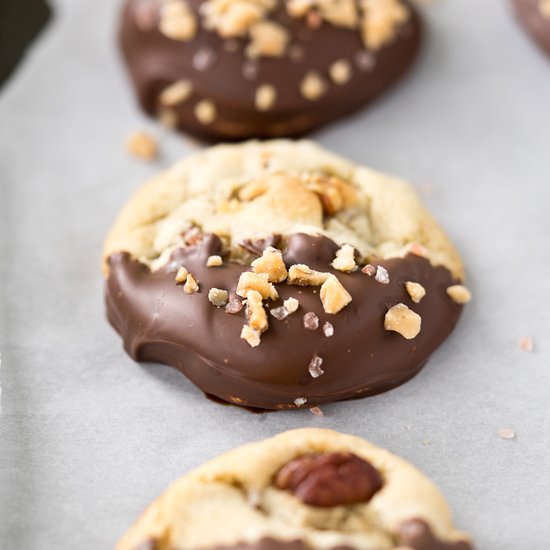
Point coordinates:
pixel 530 16
pixel 416 535
pixel 159 322
pixel 332 479
pixel 155 61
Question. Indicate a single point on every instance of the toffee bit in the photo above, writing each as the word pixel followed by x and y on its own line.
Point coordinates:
pixel 214 261
pixel 403 320
pixel 416 291
pixel 459 294
pixel 382 275
pixel 369 270
pixel 311 321
pixel 333 295
pixel 418 250
pixel 291 304
pixel 507 433
pixel 218 296
pixel 142 145
pixel 234 306
pixel 251 336
pixel 316 411
pixel 181 275
pixel 527 344
pixel 191 285
pixel 315 366
pixel 328 329
pixel 299 401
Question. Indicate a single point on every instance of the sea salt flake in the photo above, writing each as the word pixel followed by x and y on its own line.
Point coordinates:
pixel 328 329
pixel 311 321
pixel 315 366
pixel 382 275
pixel 299 401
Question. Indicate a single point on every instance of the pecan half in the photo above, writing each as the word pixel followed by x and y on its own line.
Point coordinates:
pixel 327 480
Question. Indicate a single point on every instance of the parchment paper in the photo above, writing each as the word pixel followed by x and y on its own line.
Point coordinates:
pixel 88 437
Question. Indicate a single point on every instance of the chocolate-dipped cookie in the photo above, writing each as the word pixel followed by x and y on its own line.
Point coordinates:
pixel 534 15
pixel 263 68
pixel 307 489
pixel 277 275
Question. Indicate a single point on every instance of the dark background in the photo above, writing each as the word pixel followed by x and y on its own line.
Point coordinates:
pixel 20 23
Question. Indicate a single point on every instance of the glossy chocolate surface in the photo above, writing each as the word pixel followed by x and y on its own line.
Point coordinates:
pixel 159 322
pixel 531 17
pixel 155 61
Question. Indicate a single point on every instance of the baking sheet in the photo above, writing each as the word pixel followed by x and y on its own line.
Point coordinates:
pixel 88 438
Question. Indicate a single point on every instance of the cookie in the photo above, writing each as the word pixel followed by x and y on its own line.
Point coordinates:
pixel 264 68
pixel 278 275
pixel 305 489
pixel 534 15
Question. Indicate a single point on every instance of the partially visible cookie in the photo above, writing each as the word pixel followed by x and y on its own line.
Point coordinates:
pixel 307 489
pixel 534 15
pixel 232 70
pixel 277 275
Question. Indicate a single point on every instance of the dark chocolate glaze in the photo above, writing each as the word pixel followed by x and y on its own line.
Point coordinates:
pixel 159 322
pixel 155 61
pixel 416 535
pixel 529 15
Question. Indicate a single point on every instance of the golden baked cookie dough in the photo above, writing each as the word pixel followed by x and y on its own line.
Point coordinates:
pixel 253 497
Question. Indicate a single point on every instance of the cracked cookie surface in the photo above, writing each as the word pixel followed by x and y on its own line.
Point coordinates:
pixel 277 275
pixel 304 489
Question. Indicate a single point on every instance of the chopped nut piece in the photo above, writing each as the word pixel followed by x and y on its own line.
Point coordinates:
pixel 544 8
pixel 266 96
pixel 316 411
pixel 403 320
pixel 142 145
pixel 340 71
pixel 527 344
pixel 218 297
pixel 291 304
pixel 271 263
pixel 176 93
pixel 381 21
pixel 234 306
pixel 416 291
pixel 214 261
pixel 251 336
pixel 299 401
pixel 302 275
pixel 369 270
pixel 459 294
pixel 191 284
pixel 335 194
pixel 279 313
pixel 205 111
pixel 507 433
pixel 255 312
pixel 232 18
pixel 382 275
pixel 328 329
pixel 315 366
pixel 256 281
pixel 177 21
pixel 181 275
pixel 345 259
pixel 313 86
pixel 267 39
pixel 333 295
pixel 311 321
